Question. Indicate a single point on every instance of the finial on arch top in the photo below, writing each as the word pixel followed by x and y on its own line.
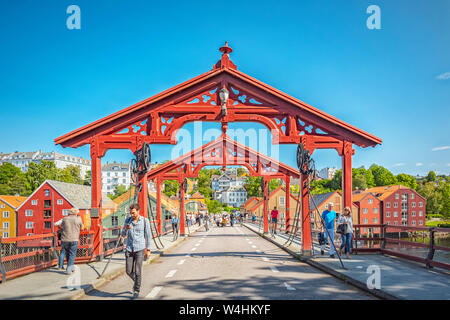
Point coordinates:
pixel 225 61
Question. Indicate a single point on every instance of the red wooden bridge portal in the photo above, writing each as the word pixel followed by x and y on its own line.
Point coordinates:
pixel 223 94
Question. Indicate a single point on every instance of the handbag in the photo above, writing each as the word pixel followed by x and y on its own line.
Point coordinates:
pixel 342 228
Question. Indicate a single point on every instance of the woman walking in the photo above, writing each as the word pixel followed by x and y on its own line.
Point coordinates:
pixel 346 219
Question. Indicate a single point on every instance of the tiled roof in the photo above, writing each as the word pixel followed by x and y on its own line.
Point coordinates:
pixel 385 191
pixel 110 166
pixel 13 201
pixel 197 195
pixel 319 199
pixel 79 195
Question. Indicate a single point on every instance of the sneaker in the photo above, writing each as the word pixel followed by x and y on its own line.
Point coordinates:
pixel 322 252
pixel 332 256
pixel 136 295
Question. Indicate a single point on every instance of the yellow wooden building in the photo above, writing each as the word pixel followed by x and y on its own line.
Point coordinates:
pixel 8 215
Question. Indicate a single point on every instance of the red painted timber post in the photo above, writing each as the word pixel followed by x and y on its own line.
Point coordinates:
pixel 182 214
pixel 143 197
pixel 266 204
pixel 347 152
pixel 96 200
pixel 288 202
pixel 306 222
pixel 158 204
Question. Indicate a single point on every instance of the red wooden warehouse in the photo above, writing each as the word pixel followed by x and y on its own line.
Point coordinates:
pixel 223 94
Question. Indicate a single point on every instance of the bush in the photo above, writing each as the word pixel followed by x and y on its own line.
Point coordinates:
pixel 443 225
pixel 435 215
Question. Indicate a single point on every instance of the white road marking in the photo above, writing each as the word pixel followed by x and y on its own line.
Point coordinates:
pixel 197 244
pixel 247 239
pixel 250 242
pixel 171 273
pixel 274 269
pixel 253 246
pixel 154 292
pixel 188 255
pixel 258 251
pixel 193 249
pixel 288 286
pixel 265 259
pixel 181 261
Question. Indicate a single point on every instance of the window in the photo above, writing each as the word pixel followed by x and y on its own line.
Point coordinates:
pixel 411 196
pixel 420 204
pixel 404 223
pixel 34 202
pixel 395 214
pixel 29 225
pixel 388 223
pixel 388 204
pixel 47 225
pixel 388 214
pixel 29 234
pixel 47 192
pixel 420 213
pixel 370 201
pixel 375 220
pixel 5 214
pixel 108 174
pixel 413 213
pixel 282 201
pixel 365 210
pixel 5 235
pixel 28 213
pixel 395 204
pixel 115 221
pixel 404 206
pixel 124 174
pixel 395 223
pixel 59 201
pixel 405 197
pixel 5 225
pixel 47 214
pixel 413 204
pixel 413 222
pixel 365 220
pixel 396 196
pixel 375 210
pixel 47 203
pixel 404 215
pixel 65 212
pixel 124 180
pixel 420 222
pixel 2 206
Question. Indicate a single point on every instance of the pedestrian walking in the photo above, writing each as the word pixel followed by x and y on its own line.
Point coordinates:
pixel 174 223
pixel 137 228
pixel 274 215
pixel 70 235
pixel 329 215
pixel 346 220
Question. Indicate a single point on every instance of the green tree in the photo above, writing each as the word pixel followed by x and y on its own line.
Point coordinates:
pixel 335 183
pixel 214 206
pixel 252 186
pixel 39 172
pixel 359 181
pixel 320 186
pixel 87 178
pixel 434 198
pixel 431 176
pixel 118 191
pixel 273 184
pixel 407 180
pixel 171 187
pixel 13 181
pixel 382 176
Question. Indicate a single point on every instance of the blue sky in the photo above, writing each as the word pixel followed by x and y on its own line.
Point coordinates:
pixel 393 82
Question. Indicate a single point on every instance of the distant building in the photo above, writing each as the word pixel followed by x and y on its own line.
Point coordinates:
pixel 51 202
pixel 114 174
pixel 22 160
pixel 234 196
pixel 327 173
pixel 224 182
pixel 8 217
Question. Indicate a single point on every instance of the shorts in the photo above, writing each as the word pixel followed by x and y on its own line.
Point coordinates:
pixel 274 220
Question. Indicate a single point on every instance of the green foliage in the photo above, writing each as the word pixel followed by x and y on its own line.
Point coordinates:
pixel 39 172
pixel 13 181
pixel 214 206
pixel 382 176
pixel 273 184
pixel 171 187
pixel 70 174
pixel 87 178
pixel 407 180
pixel 118 191
pixel 431 177
pixel 240 172
pixel 252 185
pixel 437 215
pixel 320 186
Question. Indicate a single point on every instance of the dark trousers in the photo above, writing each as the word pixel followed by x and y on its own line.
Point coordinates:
pixel 134 262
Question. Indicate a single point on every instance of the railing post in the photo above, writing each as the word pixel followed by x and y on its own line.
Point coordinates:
pixel 431 249
pixel 383 234
pixel 2 269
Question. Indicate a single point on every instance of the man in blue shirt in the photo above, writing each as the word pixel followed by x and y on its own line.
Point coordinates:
pixel 137 228
pixel 329 216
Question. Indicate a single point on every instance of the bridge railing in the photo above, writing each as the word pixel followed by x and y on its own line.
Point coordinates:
pixel 27 254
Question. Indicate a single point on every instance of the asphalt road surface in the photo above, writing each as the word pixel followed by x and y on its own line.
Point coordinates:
pixel 231 263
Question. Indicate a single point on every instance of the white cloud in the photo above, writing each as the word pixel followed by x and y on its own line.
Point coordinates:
pixel 440 148
pixel 400 164
pixel 419 164
pixel 444 76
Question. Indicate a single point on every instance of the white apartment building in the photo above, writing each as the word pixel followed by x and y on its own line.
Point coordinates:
pixel 115 174
pixel 23 159
pixel 234 196
pixel 328 173
pixel 223 182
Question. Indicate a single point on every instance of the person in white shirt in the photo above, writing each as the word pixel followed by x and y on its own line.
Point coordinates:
pixel 346 219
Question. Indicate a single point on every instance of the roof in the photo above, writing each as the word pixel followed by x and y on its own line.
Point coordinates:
pixel 121 166
pixel 13 201
pixel 197 195
pixel 333 125
pixel 385 191
pixel 319 199
pixel 77 195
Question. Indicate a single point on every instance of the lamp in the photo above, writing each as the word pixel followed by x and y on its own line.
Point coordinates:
pixel 223 95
